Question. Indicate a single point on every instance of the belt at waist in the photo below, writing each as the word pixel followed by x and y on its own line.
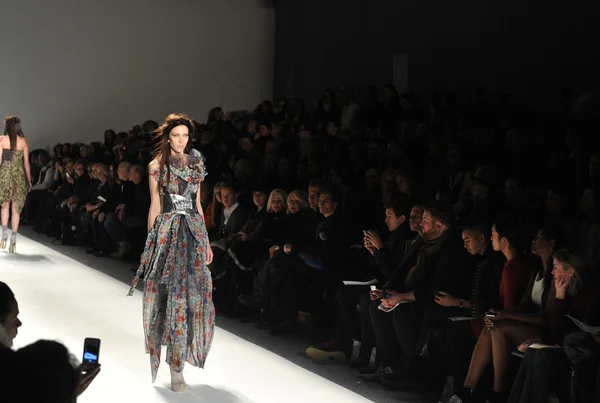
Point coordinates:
pixel 173 203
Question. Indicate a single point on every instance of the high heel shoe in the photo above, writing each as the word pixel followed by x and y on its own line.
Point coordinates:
pixel 4 236
pixel 177 381
pixel 13 246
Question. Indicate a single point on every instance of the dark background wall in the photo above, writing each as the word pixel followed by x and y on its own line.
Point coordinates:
pixel 529 48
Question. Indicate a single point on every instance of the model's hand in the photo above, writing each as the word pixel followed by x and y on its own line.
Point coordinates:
pixel 209 255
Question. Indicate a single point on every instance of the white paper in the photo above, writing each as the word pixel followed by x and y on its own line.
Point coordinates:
pixel 595 330
pixel 539 346
pixel 384 309
pixel 370 282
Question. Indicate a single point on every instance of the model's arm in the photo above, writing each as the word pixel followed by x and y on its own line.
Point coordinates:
pixel 25 162
pixel 154 196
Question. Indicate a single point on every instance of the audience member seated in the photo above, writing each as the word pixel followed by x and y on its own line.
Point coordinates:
pixel 386 256
pixel 48 365
pixel 262 228
pixel 441 264
pixel 129 220
pixel 461 335
pixel 233 219
pixel 501 330
pixel 431 154
pixel 84 187
pixel 93 230
pixel 216 212
pixel 304 271
pixel 395 281
pixel 547 369
pixel 9 315
pixel 121 194
pixel 41 186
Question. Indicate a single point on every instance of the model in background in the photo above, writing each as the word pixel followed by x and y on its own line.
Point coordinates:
pixel 178 309
pixel 15 178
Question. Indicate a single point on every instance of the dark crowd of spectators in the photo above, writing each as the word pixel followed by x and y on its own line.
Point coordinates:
pixel 471 226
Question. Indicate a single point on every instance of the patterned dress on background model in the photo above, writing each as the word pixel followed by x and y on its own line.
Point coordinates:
pixel 13 180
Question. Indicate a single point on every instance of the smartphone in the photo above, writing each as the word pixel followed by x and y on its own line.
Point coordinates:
pixel 365 232
pixel 68 176
pixel 91 351
pixel 491 314
pixel 373 288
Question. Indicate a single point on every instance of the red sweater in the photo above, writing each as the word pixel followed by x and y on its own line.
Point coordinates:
pixel 515 279
pixel 585 306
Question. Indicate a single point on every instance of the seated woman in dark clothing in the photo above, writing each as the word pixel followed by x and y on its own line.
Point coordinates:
pixel 298 227
pixel 573 295
pixel 216 211
pixel 493 345
pixel 260 231
pixel 461 334
pixel 300 264
pixel 300 222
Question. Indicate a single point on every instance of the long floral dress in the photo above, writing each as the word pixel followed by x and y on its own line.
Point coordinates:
pixel 178 311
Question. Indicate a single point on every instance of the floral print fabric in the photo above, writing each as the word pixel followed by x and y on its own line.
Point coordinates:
pixel 178 311
pixel 13 181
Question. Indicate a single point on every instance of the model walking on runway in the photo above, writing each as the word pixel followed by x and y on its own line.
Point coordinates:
pixel 178 310
pixel 15 178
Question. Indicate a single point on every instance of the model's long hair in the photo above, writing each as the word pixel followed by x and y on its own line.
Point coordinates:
pixel 12 129
pixel 162 151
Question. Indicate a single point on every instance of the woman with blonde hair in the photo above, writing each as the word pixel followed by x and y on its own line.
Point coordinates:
pixel 577 294
pixel 256 244
pixel 297 201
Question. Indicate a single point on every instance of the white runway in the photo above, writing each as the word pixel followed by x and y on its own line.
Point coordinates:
pixel 61 299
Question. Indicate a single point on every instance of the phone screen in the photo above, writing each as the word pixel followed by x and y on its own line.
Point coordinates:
pixel 91 351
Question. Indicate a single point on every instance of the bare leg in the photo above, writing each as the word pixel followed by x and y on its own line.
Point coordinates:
pixel 481 358
pixel 14 227
pixel 506 334
pixel 15 220
pixel 4 229
pixel 5 210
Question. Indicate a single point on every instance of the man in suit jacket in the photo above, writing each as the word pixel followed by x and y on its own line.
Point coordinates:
pixel 234 216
